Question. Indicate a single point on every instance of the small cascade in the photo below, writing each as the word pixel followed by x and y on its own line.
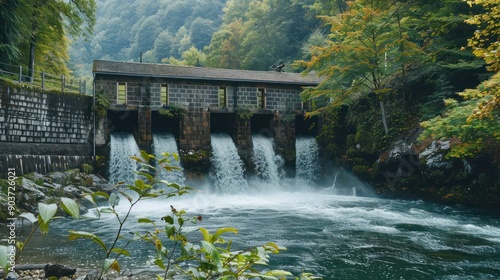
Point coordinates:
pixel 227 166
pixel 165 143
pixel 335 180
pixel 307 158
pixel 344 183
pixel 121 166
pixel 267 164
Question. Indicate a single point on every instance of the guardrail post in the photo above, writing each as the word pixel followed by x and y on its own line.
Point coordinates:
pixel 20 73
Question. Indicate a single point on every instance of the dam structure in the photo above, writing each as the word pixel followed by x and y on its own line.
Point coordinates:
pixel 194 103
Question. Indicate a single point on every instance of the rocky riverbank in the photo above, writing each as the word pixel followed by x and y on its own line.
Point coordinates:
pixel 34 188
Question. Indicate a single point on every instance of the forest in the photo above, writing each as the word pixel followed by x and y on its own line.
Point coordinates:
pixel 395 71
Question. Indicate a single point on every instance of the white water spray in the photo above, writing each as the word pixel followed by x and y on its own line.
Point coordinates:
pixel 307 159
pixel 165 143
pixel 121 167
pixel 227 166
pixel 267 164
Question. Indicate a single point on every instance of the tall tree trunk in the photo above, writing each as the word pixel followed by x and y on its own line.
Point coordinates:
pixel 31 65
pixel 384 119
pixel 33 36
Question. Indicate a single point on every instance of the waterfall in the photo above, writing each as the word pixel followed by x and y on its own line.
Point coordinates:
pixel 227 166
pixel 121 166
pixel 306 163
pixel 165 142
pixel 267 163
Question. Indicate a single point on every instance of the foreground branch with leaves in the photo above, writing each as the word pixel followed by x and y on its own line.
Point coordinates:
pixel 176 255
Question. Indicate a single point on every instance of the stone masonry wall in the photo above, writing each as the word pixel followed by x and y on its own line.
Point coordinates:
pixel 195 131
pixel 197 94
pixel 32 117
pixel 41 128
pixel 276 98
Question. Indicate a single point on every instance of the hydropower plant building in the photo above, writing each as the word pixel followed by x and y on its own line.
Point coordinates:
pixel 237 102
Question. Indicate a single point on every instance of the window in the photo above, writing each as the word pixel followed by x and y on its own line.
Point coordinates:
pixel 164 94
pixel 222 97
pixel 261 99
pixel 121 97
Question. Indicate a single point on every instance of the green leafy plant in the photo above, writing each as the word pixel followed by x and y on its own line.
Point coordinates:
pixel 46 213
pixel 87 168
pixel 244 112
pixel 102 104
pixel 140 190
pixel 212 257
pixel 175 111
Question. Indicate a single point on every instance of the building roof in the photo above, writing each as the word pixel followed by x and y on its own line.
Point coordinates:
pixel 201 73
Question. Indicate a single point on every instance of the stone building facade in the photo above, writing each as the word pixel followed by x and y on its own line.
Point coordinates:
pixel 148 88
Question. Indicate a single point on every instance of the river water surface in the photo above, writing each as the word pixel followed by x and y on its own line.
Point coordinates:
pixel 336 237
pixel 341 231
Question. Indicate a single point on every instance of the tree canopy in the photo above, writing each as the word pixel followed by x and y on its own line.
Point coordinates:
pixel 474 123
pixel 36 33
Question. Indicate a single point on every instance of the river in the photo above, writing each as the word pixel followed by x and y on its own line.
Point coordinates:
pixel 331 231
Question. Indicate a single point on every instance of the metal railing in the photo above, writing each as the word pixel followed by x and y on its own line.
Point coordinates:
pixel 43 80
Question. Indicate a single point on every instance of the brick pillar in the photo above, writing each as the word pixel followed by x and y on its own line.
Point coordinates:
pixel 144 122
pixel 195 131
pixel 284 137
pixel 243 136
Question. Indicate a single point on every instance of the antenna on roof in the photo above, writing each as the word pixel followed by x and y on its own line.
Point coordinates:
pixel 279 67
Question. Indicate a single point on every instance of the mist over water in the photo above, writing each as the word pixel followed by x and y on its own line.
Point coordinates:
pixel 327 230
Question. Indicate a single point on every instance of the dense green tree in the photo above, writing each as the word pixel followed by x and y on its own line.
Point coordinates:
pixel 145 37
pixel 50 21
pixel 367 53
pixel 163 45
pixel 191 57
pixel 316 39
pixel 167 28
pixel 201 31
pixel 329 7
pixel 235 10
pixel 225 49
pixel 486 40
pixel 270 31
pixel 473 124
pixel 10 33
